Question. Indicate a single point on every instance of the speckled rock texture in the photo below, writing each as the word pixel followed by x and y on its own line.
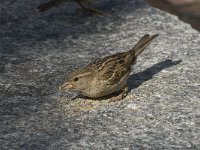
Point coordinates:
pixel 161 110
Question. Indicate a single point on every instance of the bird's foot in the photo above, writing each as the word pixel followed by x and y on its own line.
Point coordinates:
pixel 121 96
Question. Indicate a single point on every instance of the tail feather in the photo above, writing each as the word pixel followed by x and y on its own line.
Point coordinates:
pixel 142 44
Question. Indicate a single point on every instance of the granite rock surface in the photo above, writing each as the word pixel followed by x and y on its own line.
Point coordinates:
pixel 161 110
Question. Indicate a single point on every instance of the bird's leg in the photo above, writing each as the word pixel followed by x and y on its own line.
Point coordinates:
pixel 91 10
pixel 121 95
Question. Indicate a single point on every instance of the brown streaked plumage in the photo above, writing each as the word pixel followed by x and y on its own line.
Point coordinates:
pixel 106 75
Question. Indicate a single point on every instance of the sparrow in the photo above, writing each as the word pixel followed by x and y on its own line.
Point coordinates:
pixel 107 75
pixel 53 3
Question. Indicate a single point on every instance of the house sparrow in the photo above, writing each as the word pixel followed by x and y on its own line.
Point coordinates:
pixel 53 3
pixel 107 75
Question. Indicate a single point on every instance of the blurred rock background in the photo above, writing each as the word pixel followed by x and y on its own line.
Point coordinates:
pixel 187 10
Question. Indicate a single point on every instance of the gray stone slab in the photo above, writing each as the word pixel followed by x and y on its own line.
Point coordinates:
pixel 161 111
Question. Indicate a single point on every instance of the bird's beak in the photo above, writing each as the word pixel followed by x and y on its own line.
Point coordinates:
pixel 66 86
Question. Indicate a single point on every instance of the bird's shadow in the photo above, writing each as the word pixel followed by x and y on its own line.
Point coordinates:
pixel 135 80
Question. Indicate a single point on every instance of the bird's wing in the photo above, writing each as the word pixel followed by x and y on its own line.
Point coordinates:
pixel 112 68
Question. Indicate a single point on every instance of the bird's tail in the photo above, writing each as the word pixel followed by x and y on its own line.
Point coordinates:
pixel 142 44
pixel 50 4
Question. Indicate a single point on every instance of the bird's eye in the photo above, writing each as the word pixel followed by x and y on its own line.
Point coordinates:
pixel 76 79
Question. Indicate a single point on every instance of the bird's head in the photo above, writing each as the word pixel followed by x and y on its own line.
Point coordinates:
pixel 78 80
